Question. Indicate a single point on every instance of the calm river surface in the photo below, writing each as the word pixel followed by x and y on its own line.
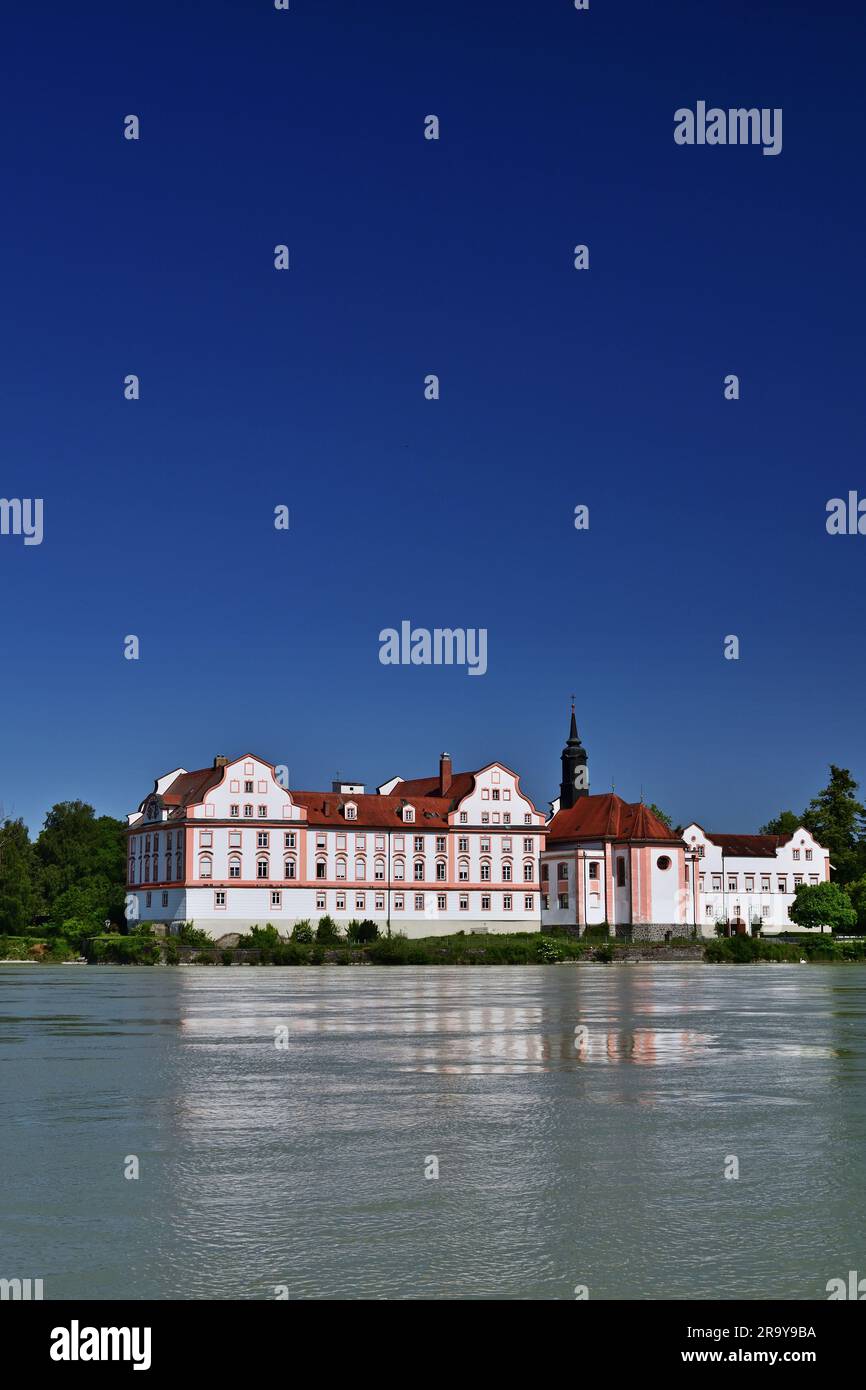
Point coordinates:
pixel 561 1163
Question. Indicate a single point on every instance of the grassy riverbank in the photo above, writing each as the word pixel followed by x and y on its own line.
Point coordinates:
pixel 521 948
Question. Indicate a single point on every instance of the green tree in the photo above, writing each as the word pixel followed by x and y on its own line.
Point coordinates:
pixel 838 821
pixel 857 893
pixel 785 823
pixel 822 905
pixel 18 892
pixel 660 815
pixel 77 849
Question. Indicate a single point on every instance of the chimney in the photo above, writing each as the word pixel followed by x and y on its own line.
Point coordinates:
pixel 444 773
pixel 220 761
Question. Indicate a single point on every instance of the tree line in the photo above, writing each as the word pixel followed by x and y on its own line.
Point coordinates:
pixel 73 872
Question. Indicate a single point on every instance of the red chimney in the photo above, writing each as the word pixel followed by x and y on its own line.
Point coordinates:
pixel 444 773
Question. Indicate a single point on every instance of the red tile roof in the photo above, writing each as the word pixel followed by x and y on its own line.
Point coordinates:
pixel 748 846
pixel 461 785
pixel 326 808
pixel 608 817
pixel 189 787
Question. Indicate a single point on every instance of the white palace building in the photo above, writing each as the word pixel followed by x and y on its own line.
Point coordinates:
pixel 229 847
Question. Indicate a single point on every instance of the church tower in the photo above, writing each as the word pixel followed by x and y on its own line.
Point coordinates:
pixel 575 778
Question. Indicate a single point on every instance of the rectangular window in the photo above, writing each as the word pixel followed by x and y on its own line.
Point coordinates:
pixel 528 873
pixel 147 898
pixel 808 854
pixel 320 840
pixel 463 817
pixel 419 902
pixel 263 813
pixel 506 902
pixel 563 900
pixel 796 854
pixel 234 837
pixel 440 844
pixel 463 844
pixel 165 900
pixel 464 902
pixel 440 873
pixel 234 812
pixel 485 817
pixel 380 902
pixel 398 902
pixel 419 844
pixel 205 837
pixel 620 871
pixel 562 871
pixel 321 901
pixel 248 811
pixel 593 868
pixel 248 786
pixel 262 868
pixel 418 872
pixel 360 902
pixel 341 902
pixel 783 883
pixel 219 898
pixel 341 842
pixel 717 883
pixel 380 841
pixel 485 902
pixel 290 839
pixel 506 818
pixel 276 898
pixel 527 819
pixel 711 912
pixel 732 884
pixel 527 846
pixel 262 839
pixel 441 901
pixel 765 911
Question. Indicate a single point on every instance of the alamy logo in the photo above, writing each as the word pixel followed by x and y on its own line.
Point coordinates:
pixel 737 126
pixel 22 516
pixel 77 1343
pixel 443 646
pixel 20 1289
pixel 856 1288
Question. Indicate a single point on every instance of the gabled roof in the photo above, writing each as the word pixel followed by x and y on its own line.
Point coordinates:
pixel 608 817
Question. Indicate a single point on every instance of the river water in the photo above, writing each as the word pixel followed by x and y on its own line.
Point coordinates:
pixel 286 1125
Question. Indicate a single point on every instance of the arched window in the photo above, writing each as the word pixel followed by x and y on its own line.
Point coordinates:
pixel 506 871
pixel 132 871
pixel 463 870
pixel 290 868
pixel 235 866
pixel 263 868
pixel 379 869
pixel 341 867
pixel 528 871
pixel 441 871
pixel 399 870
pixel 418 871
pixel 205 866
pixel 485 871
pixel 360 868
pixel 321 868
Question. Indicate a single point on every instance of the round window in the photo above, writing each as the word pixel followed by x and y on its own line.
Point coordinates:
pixel 663 861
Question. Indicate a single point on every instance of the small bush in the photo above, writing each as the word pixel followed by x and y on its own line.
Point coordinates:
pixel 362 932
pixel 327 930
pixel 303 932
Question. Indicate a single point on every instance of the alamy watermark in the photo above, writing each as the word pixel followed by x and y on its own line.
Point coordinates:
pixel 22 516
pixel 439 646
pixel 736 126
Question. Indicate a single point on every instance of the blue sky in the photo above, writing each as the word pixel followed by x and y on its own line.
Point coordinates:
pixel 558 387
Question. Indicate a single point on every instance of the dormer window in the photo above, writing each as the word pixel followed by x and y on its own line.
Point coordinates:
pixel 409 813
pixel 351 811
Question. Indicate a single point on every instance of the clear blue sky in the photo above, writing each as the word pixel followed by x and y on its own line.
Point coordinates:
pixel 306 388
